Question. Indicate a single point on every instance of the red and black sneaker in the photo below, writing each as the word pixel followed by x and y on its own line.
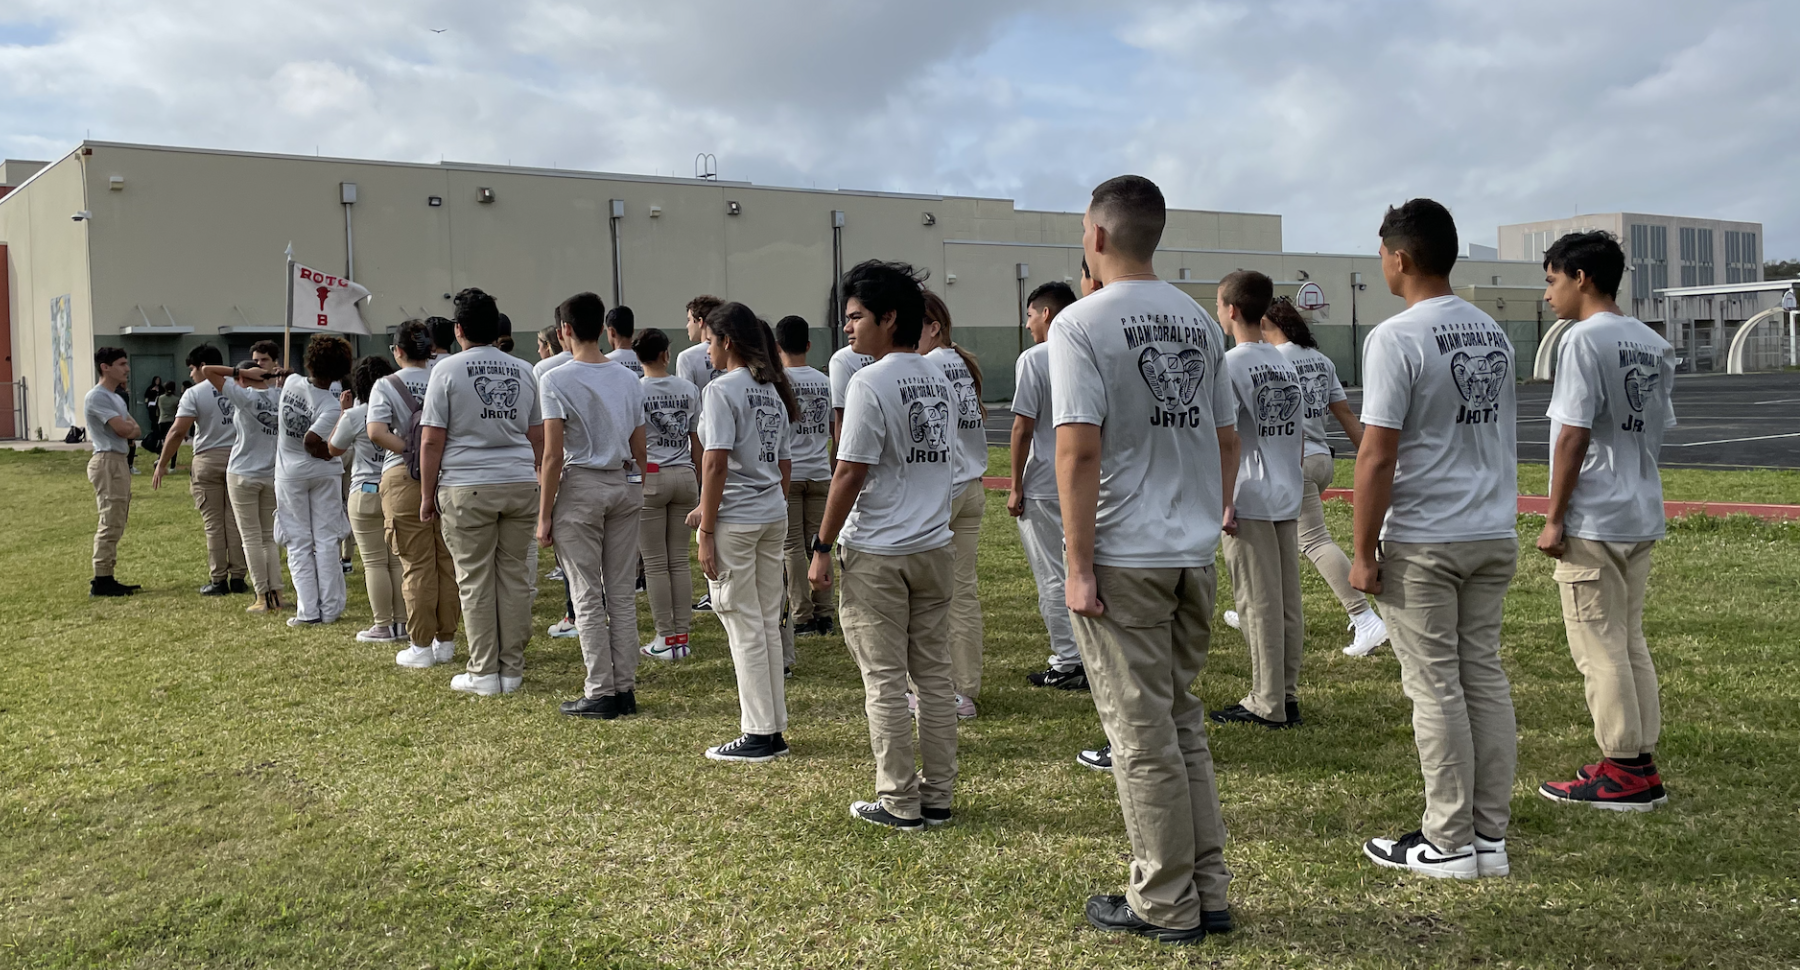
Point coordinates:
pixel 1612 786
pixel 1656 785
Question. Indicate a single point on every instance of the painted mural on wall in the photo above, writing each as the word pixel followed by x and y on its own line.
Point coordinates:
pixel 62 344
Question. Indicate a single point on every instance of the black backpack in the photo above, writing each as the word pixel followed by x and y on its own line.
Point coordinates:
pixel 408 430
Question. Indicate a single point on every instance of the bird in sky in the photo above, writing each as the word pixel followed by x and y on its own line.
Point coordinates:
pixel 435 30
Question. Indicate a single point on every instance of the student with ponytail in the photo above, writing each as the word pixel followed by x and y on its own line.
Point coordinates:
pixel 968 497
pixel 742 517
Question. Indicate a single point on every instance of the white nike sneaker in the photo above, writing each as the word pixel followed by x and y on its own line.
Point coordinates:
pixel 563 629
pixel 1415 853
pixel 1490 857
pixel 417 658
pixel 443 650
pixel 1371 632
pixel 667 648
pixel 484 685
pixel 1233 620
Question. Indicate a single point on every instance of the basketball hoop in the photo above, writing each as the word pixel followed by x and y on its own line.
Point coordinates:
pixel 1310 297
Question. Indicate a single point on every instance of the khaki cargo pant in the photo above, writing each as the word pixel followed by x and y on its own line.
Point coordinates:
pixel 966 509
pixel 896 616
pixel 806 508
pixel 1316 542
pixel 1442 603
pixel 212 497
pixel 489 530
pixel 1265 583
pixel 595 526
pixel 108 472
pixel 427 573
pixel 253 506
pixel 663 540
pixel 1142 656
pixel 383 573
pixel 1602 586
pixel 747 599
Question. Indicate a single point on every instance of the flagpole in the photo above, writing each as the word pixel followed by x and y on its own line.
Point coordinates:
pixel 287 321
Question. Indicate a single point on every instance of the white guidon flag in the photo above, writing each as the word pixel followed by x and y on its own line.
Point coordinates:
pixel 323 302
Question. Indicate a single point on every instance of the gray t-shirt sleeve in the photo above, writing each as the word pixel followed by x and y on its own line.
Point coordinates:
pixel 550 403
pixel 1025 389
pixel 1387 382
pixel 865 428
pixel 1077 390
pixel 436 413
pixel 327 418
pixel 1580 390
pixel 1337 387
pixel 190 404
pixel 1224 396
pixel 352 424
pixel 718 425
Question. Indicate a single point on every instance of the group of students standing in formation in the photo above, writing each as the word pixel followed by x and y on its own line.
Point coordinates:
pixel 1140 445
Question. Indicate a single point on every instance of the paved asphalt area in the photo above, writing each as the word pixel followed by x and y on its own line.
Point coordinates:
pixel 1747 421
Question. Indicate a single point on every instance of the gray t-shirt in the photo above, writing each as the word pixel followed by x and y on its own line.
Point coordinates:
pixel 1441 373
pixel 352 434
pixel 971 436
pixel 1614 376
pixel 810 436
pixel 386 406
pixel 486 400
pixel 671 407
pixel 1319 389
pixel 1270 438
pixel 211 412
pixel 305 408
pixel 628 357
pixel 842 366
pixel 1031 399
pixel 1141 360
pixel 256 413
pixel 899 419
pixel 550 363
pixel 695 366
pixel 748 420
pixel 102 405
pixel 600 406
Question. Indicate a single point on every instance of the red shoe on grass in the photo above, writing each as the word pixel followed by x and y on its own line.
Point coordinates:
pixel 1611 786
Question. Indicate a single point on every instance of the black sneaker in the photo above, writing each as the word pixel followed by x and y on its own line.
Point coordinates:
pixel 1293 713
pixel 627 701
pixel 108 586
pixel 348 565
pixel 757 748
pixel 1114 913
pixel 781 746
pixel 640 587
pixel 808 629
pixel 824 624
pixel 935 817
pixel 1099 759
pixel 604 708
pixel 704 604
pixel 1239 714
pixel 238 585
pixel 217 588
pixel 873 813
pixel 1217 921
pixel 1060 679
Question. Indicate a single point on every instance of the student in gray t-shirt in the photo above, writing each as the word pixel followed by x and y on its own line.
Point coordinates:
pixel 480 438
pixel 383 572
pixel 111 428
pixel 809 608
pixel 208 413
pixel 250 476
pixel 1436 541
pixel 1032 499
pixel 1608 413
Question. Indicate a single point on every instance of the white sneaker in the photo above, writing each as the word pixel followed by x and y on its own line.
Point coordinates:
pixel 484 685
pixel 443 650
pixel 1490 857
pixel 661 649
pixel 377 634
pixel 510 684
pixel 1371 632
pixel 555 575
pixel 1233 620
pixel 563 629
pixel 1415 853
pixel 418 658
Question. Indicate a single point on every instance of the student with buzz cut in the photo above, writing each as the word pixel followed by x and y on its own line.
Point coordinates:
pixel 309 497
pixel 590 503
pixel 480 438
pixel 110 428
pixel 1436 541
pixel 1146 458
pixel 811 479
pixel 621 324
pixel 671 492
pixel 890 511
pixel 207 413
pixel 1608 413
pixel 1032 498
pixel 1261 531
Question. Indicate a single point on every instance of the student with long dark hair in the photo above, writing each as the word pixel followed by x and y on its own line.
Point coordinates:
pixel 383 573
pixel 742 516
pixel 969 498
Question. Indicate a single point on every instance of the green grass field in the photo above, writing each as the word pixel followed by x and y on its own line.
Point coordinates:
pixel 182 785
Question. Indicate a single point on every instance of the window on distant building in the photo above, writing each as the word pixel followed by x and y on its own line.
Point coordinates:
pixel 1704 257
pixel 1689 257
pixel 1649 260
pixel 1740 257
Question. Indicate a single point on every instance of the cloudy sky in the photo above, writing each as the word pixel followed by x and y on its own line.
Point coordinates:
pixel 1321 110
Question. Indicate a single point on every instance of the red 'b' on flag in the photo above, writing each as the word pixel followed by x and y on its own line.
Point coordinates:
pixel 324 302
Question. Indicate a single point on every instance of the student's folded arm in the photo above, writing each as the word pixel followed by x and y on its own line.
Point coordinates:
pixel 382 435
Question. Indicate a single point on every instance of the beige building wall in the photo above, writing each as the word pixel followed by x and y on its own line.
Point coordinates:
pixel 47 257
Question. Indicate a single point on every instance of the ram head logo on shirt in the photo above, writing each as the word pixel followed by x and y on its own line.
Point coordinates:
pixel 968 403
pixel 497 392
pixel 812 411
pixel 669 423
pixel 266 416
pixel 224 406
pixel 1640 385
pixel 927 422
pixel 769 425
pixel 1317 388
pixel 297 419
pixel 1173 378
pixel 1276 403
pixel 1479 379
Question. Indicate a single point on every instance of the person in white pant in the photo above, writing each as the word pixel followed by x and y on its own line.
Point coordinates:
pixel 310 519
pixel 744 418
pixel 1032 499
pixel 591 494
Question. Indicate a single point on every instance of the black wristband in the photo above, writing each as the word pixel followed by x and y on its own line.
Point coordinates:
pixel 820 545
